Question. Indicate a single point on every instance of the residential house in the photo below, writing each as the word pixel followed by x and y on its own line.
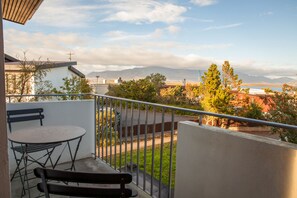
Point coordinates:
pixel 56 71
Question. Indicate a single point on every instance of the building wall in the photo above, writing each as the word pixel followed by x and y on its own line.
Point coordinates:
pixel 100 88
pixel 214 163
pixel 56 76
pixel 78 113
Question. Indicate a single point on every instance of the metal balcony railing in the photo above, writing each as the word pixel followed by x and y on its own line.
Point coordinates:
pixel 140 137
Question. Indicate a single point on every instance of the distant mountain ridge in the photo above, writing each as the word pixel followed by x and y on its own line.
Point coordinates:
pixel 178 75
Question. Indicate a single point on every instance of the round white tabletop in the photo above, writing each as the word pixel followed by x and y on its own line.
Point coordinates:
pixel 46 134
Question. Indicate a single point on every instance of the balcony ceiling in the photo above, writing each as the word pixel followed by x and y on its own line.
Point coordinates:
pixel 19 11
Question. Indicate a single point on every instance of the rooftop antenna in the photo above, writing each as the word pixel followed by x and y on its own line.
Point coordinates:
pixel 97 79
pixel 70 55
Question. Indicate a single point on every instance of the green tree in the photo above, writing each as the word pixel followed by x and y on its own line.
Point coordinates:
pixel 253 110
pixel 158 81
pixel 74 85
pixel 214 97
pixel 229 79
pixel 141 89
pixel 284 110
pixel 173 95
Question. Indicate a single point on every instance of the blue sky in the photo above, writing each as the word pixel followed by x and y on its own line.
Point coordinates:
pixel 257 37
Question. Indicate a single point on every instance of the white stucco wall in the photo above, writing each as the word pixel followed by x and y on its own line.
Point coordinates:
pixel 56 75
pixel 78 113
pixel 216 163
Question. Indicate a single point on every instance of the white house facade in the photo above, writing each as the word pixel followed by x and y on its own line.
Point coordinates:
pixel 56 71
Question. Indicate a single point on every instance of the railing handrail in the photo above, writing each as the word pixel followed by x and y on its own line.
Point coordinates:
pixel 236 118
pixel 199 112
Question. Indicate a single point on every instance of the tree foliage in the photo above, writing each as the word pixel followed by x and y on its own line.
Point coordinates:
pixel 28 78
pixel 142 89
pixel 74 85
pixel 222 93
pixel 175 94
pixel 147 89
pixel 229 79
pixel 284 110
pixel 252 110
pixel 158 80
pixel 214 97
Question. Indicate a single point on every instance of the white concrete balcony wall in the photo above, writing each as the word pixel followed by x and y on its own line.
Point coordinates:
pixel 214 163
pixel 78 113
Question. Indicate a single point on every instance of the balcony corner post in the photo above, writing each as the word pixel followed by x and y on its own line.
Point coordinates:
pixel 4 164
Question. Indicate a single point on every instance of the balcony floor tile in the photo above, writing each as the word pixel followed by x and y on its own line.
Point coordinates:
pixel 86 165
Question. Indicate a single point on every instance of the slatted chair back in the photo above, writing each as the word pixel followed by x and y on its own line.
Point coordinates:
pixel 83 177
pixel 22 115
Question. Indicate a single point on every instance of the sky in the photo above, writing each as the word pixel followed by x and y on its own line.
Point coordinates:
pixel 256 37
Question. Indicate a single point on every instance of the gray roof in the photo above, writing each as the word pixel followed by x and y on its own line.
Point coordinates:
pixel 8 58
pixel 11 61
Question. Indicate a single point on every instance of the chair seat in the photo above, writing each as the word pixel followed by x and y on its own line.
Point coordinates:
pixel 32 148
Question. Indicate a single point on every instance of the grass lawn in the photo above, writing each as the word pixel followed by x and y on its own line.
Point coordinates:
pixel 149 157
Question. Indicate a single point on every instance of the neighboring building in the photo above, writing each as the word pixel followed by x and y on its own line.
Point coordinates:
pixel 56 71
pixel 100 86
pixel 263 100
pixel 118 81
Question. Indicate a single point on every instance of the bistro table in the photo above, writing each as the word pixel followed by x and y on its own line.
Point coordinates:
pixel 47 135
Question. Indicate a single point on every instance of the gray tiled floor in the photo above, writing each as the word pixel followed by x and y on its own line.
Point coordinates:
pixel 86 165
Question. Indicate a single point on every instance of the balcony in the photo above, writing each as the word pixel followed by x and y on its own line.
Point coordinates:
pixel 169 151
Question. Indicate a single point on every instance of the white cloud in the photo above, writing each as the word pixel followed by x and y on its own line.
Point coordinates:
pixel 118 35
pixel 114 56
pixel 143 11
pixel 182 46
pixel 56 47
pixel 42 45
pixel 66 13
pixel 115 34
pixel 222 27
pixel 173 29
pixel 203 2
pixel 125 36
pixel 268 13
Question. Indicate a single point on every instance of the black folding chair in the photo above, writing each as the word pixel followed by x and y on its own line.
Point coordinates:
pixel 29 115
pixel 77 190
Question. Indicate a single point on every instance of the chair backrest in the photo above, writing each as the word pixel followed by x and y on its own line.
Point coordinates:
pixel 83 177
pixel 22 115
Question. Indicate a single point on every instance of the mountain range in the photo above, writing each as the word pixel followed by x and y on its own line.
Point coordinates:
pixel 179 74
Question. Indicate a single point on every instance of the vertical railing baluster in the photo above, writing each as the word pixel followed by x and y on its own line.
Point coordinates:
pixel 96 132
pixel 102 128
pixel 110 131
pixel 115 133
pixel 161 154
pixel 145 149
pixel 153 153
pixel 126 131
pixel 121 134
pixel 106 130
pixel 131 138
pixel 138 144
pixel 171 154
pixel 200 119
